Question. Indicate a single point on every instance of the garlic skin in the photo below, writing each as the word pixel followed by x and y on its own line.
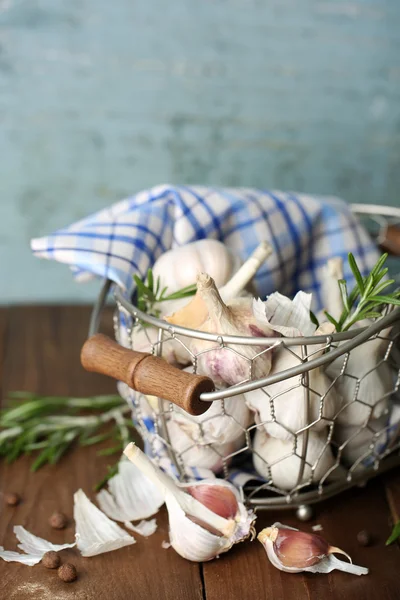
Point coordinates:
pixel 206 518
pixel 368 379
pixel 291 318
pixel 284 465
pixel 289 396
pixel 295 551
pixel 225 421
pixel 201 455
pixel 207 312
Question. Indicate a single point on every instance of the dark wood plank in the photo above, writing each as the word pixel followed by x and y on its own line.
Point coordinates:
pixel 246 572
pixel 42 354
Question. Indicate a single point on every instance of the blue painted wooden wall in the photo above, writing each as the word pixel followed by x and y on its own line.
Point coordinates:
pixel 100 99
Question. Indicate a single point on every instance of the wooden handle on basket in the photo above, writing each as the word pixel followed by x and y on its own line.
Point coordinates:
pixel 391 243
pixel 146 373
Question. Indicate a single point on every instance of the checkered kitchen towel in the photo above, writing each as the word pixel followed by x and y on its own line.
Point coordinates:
pixel 128 237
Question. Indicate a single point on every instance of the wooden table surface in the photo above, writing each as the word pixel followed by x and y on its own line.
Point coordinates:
pixel 40 353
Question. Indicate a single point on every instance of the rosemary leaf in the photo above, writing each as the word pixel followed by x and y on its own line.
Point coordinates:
pixel 394 535
pixel 356 272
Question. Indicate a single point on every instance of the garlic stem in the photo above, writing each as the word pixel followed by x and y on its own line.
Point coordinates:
pixel 341 565
pixel 210 295
pixel 188 504
pixel 245 274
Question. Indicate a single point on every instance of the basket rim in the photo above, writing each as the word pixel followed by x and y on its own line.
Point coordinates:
pixel 377 326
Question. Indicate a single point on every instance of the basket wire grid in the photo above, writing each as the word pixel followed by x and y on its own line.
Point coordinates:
pixel 323 456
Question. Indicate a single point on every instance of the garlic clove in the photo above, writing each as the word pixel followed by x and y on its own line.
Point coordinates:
pixel 197 532
pixel 216 497
pixel 295 551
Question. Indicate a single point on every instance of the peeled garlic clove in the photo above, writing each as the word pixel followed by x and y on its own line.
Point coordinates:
pixel 295 551
pixel 197 531
pixel 278 457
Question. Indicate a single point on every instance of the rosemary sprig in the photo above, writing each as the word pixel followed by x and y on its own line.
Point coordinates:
pixel 395 535
pixel 50 425
pixel 365 301
pixel 149 293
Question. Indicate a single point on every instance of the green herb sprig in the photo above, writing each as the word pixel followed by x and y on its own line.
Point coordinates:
pixel 50 425
pixel 365 301
pixel 149 293
pixel 395 535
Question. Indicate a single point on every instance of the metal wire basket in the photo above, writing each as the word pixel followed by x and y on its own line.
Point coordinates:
pixel 331 451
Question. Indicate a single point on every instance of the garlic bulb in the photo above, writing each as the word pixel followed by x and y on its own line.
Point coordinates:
pixel 225 421
pixel 207 312
pixel 275 459
pixel 360 445
pixel 179 267
pixel 194 453
pixel 206 518
pixel 295 551
pixel 366 384
pixel 282 407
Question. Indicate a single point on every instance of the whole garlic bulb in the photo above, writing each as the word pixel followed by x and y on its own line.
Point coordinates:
pixel 356 442
pixel 195 454
pixel 207 312
pixel 288 397
pixel 366 385
pixel 225 421
pixel 179 267
pixel 205 518
pixel 285 465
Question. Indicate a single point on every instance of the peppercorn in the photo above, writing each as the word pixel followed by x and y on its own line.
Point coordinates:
pixel 67 572
pixel 363 538
pixel 12 499
pixel 51 560
pixel 58 520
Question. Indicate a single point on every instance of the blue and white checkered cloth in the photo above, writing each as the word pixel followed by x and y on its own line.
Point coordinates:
pixel 304 231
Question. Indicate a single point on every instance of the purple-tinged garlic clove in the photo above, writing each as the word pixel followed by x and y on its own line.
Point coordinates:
pixel 197 531
pixel 295 551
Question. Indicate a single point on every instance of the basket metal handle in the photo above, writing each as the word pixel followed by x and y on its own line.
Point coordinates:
pixel 146 373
